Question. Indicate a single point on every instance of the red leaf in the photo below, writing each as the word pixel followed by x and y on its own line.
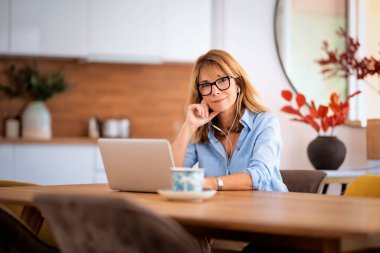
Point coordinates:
pixel 341 120
pixel 314 113
pixel 289 109
pixel 345 110
pixel 334 107
pixel 322 111
pixel 325 124
pixel 334 98
pixel 301 100
pixel 287 95
pixel 310 120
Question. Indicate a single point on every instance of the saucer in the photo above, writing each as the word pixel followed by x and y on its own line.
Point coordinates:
pixel 186 196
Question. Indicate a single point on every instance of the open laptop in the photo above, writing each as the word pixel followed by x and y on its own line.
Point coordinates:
pixel 141 165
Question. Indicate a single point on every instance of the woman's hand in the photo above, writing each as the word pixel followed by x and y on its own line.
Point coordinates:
pixel 209 183
pixel 197 115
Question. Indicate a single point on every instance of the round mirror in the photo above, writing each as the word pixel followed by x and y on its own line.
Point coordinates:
pixel 300 29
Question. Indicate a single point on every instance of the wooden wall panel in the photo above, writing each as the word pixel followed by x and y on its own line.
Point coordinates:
pixel 152 97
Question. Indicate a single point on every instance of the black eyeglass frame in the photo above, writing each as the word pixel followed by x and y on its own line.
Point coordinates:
pixel 214 83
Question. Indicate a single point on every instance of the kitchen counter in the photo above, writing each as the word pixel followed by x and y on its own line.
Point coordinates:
pixel 54 140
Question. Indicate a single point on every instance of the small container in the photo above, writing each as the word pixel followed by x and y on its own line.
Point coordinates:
pixel 93 129
pixel 124 128
pixel 111 128
pixel 12 128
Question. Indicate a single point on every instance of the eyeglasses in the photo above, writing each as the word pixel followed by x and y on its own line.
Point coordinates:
pixel 222 83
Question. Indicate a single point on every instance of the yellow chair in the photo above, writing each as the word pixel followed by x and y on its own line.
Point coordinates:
pixel 364 186
pixel 45 233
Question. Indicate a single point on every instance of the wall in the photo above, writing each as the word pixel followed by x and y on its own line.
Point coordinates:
pixel 155 108
pixel 151 96
pixel 371 46
pixel 252 43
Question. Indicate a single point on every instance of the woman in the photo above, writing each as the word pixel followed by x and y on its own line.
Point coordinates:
pixel 226 129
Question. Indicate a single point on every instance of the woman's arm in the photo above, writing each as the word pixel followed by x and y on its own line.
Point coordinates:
pixel 179 146
pixel 240 181
pixel 263 166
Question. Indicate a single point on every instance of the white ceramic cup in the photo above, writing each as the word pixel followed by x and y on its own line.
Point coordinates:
pixel 187 179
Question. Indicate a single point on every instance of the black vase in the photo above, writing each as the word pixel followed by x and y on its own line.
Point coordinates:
pixel 326 152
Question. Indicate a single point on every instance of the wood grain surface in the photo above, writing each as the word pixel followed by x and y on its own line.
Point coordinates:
pixel 152 97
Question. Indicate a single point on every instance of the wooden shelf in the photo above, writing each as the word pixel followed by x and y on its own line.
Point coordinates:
pixel 54 140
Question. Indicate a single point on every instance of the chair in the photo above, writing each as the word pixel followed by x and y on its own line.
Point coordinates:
pixel 364 186
pixel 45 232
pixel 16 237
pixel 307 181
pixel 85 223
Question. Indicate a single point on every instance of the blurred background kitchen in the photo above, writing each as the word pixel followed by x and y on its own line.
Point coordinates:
pixel 129 62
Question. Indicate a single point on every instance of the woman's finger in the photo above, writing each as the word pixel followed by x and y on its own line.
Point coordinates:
pixel 196 110
pixel 203 114
pixel 205 108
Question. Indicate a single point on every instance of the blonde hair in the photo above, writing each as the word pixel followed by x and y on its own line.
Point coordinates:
pixel 224 61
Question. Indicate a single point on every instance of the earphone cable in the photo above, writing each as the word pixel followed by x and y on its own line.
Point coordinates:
pixel 228 160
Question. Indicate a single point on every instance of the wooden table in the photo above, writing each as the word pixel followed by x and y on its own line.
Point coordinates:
pixel 345 177
pixel 298 220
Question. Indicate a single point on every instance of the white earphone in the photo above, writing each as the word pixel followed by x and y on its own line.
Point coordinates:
pixel 229 131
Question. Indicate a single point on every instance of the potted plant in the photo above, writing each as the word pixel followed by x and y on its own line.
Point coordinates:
pixel 347 63
pixel 28 82
pixel 326 152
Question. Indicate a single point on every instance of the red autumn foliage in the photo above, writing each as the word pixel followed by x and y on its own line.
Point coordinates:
pixel 347 63
pixel 319 118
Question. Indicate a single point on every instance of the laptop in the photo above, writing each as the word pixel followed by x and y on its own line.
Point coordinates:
pixel 139 165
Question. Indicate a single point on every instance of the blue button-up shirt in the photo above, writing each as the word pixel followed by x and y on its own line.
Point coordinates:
pixel 257 153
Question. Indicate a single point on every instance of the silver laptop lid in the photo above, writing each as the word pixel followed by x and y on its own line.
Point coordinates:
pixel 137 164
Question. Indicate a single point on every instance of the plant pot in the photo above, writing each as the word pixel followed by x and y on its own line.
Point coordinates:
pixel 36 121
pixel 326 152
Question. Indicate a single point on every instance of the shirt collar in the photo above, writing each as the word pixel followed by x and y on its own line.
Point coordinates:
pixel 211 135
pixel 247 119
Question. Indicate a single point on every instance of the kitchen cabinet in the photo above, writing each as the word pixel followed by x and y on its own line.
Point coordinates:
pixel 126 30
pixel 49 27
pixel 4 26
pixel 131 31
pixel 52 164
pixel 6 162
pixel 187 32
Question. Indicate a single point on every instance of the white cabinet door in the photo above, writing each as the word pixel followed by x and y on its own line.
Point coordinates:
pixel 6 162
pixel 4 26
pixel 49 164
pixel 126 30
pixel 100 173
pixel 187 29
pixel 49 27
